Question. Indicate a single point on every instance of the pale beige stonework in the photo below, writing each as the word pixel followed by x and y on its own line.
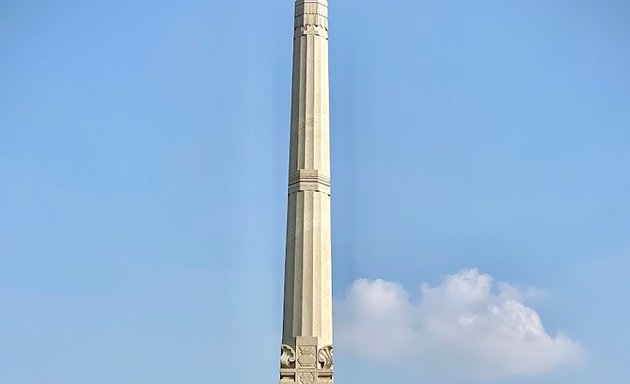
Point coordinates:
pixel 306 355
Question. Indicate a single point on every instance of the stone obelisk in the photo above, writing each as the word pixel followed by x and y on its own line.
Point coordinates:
pixel 306 355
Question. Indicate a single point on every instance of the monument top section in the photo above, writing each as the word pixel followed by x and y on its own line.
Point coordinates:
pixel 311 18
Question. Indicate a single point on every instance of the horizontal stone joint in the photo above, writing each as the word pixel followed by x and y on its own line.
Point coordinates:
pixel 309 180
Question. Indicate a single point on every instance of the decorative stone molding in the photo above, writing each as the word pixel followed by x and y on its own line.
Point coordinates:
pixel 287 357
pixel 311 18
pixel 325 357
pixel 309 180
pixel 307 378
pixel 307 357
pixel 308 366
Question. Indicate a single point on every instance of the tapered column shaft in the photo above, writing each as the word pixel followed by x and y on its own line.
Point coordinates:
pixel 307 327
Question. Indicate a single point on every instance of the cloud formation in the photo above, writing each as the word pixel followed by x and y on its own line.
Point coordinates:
pixel 467 326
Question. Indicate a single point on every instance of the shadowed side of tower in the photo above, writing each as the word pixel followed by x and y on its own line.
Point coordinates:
pixel 306 355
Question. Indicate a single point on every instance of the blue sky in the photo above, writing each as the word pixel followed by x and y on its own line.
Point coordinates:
pixel 143 165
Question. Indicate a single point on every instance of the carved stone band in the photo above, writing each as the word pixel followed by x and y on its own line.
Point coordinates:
pixel 309 180
pixel 310 30
pixel 311 18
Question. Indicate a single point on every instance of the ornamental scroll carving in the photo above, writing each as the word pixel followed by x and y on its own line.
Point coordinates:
pixel 325 357
pixel 287 357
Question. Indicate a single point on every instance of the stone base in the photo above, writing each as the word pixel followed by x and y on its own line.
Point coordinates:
pixel 306 363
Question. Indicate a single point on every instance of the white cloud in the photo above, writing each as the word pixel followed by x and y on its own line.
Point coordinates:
pixel 466 327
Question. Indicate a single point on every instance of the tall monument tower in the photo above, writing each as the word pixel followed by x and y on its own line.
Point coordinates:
pixel 306 356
